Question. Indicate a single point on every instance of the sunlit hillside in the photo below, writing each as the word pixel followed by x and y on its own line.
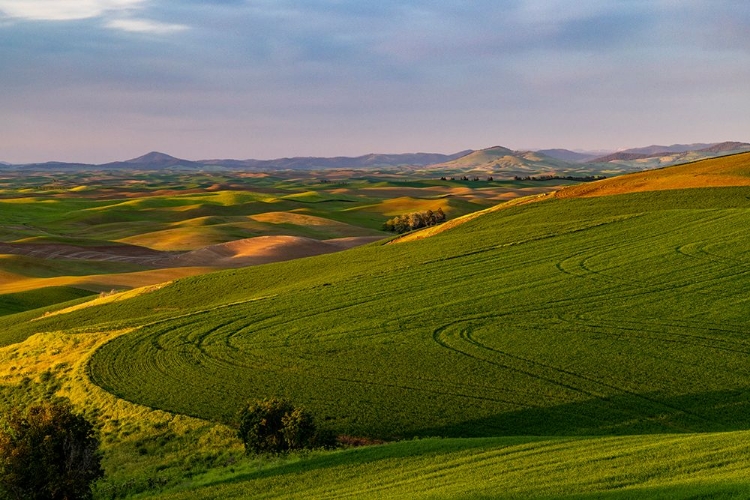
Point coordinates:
pixel 589 343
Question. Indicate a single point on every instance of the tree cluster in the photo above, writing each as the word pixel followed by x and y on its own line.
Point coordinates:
pixel 465 178
pixel 415 220
pixel 277 426
pixel 48 452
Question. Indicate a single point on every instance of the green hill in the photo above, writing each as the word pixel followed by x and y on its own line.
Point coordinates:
pixel 576 316
pixel 622 315
pixel 667 467
pixel 580 316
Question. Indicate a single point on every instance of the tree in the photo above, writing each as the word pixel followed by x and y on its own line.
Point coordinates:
pixel 408 222
pixel 275 426
pixel 48 452
pixel 439 215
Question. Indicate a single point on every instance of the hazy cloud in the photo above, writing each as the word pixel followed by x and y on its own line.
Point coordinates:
pixel 144 26
pixel 116 14
pixel 63 10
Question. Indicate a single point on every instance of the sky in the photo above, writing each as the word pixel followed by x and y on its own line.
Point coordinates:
pixel 104 80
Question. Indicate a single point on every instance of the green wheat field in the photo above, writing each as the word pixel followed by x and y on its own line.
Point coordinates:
pixel 569 347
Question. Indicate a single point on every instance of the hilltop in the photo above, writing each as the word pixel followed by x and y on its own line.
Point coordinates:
pixel 501 161
pixel 153 160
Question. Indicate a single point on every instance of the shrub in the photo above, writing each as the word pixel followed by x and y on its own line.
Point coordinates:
pixel 48 452
pixel 276 426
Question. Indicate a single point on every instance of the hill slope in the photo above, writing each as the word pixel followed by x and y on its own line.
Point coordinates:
pixel 620 316
pixel 504 162
pixel 608 315
pixel 715 172
pixel 655 156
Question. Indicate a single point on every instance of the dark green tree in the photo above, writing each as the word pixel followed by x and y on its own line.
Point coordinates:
pixel 276 426
pixel 48 452
pixel 299 429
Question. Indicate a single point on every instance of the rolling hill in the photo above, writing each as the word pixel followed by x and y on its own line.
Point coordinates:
pixel 661 156
pixel 501 161
pixel 728 171
pixel 592 343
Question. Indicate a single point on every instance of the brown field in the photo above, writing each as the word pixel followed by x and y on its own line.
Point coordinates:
pixel 102 282
pixel 264 249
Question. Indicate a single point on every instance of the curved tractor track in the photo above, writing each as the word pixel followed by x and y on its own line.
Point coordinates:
pixel 625 325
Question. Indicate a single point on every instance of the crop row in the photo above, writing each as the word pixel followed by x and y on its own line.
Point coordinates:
pixel 563 317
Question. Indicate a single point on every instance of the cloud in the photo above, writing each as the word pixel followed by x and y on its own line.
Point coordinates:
pixel 144 26
pixel 257 77
pixel 62 10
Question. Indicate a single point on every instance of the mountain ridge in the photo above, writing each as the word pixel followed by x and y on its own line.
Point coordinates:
pixel 482 160
pixel 567 155
pixel 160 160
pixel 678 151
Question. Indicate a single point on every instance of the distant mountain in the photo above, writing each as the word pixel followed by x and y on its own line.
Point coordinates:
pixel 153 160
pixel 567 155
pixel 483 157
pixel 54 165
pixel 155 157
pixel 497 159
pixel 726 146
pixel 502 161
pixel 158 161
pixel 674 148
pixel 644 161
pixel 624 156
pixel 370 160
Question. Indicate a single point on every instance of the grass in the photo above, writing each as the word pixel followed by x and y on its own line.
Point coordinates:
pixel 143 448
pixel 589 348
pixel 24 301
pixel 556 318
pixel 715 172
pixel 684 466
